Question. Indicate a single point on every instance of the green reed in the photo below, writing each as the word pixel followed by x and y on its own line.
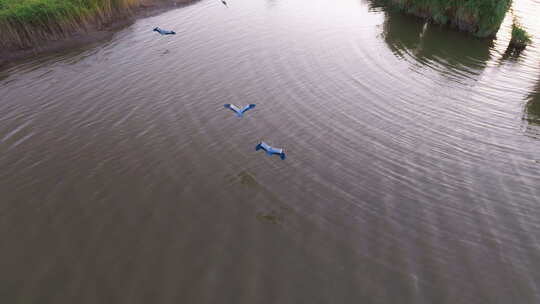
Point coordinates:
pixel 481 17
pixel 27 23
pixel 520 37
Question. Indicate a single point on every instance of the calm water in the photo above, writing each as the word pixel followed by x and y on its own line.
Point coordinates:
pixel 413 169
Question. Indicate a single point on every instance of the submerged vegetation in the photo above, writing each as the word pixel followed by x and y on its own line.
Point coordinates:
pixel 26 23
pixel 480 17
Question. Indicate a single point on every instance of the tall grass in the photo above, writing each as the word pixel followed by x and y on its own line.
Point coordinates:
pixel 27 23
pixel 481 17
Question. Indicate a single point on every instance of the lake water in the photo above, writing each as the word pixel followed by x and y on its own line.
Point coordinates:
pixel 412 171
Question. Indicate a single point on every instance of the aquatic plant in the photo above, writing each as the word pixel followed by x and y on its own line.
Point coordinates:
pixel 270 217
pixel 26 23
pixel 480 17
pixel 520 37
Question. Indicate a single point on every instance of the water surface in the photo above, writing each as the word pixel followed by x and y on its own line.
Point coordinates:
pixel 413 169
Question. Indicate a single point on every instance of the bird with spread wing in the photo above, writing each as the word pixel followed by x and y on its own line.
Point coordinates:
pixel 239 112
pixel 270 150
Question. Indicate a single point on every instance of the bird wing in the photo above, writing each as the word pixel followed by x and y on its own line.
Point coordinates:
pixel 271 150
pixel 266 146
pixel 248 107
pixel 164 32
pixel 275 150
pixel 233 108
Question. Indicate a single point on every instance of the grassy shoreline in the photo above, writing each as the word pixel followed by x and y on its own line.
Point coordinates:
pixel 32 25
pixel 482 18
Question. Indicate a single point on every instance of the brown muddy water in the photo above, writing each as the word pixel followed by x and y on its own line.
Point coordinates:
pixel 413 169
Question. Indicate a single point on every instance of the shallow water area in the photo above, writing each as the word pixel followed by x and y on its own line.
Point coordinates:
pixel 412 171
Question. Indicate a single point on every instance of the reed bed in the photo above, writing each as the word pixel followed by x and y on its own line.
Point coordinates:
pixel 480 17
pixel 28 23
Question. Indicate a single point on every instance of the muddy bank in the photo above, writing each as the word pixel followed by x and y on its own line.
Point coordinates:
pixel 90 33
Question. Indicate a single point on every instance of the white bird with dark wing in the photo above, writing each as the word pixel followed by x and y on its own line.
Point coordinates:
pixel 270 150
pixel 239 112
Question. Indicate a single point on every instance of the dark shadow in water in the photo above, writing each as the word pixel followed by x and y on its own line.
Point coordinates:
pixel 71 53
pixel 270 217
pixel 531 113
pixel 3 74
pixel 407 35
pixel 511 54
